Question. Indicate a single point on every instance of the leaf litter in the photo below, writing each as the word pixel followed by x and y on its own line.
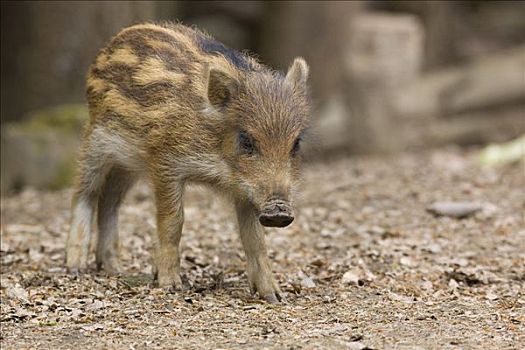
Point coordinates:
pixel 365 266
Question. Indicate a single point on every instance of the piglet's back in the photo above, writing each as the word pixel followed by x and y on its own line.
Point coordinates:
pixel 150 69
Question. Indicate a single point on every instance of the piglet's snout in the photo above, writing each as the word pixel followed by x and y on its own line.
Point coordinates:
pixel 276 213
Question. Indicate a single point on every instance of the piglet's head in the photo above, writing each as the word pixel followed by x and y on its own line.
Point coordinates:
pixel 266 115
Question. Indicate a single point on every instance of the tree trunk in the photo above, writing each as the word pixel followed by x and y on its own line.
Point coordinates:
pixel 47 47
pixel 313 30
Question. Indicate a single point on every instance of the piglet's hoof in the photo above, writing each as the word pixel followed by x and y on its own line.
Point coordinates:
pixel 273 298
pixel 77 271
pixel 172 289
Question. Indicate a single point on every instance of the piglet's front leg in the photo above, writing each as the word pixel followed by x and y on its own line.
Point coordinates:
pixel 170 219
pixel 258 267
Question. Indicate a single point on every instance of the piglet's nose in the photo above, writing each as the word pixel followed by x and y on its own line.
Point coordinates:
pixel 276 213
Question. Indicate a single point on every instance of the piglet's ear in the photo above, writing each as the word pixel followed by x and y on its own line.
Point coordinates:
pixel 221 87
pixel 297 73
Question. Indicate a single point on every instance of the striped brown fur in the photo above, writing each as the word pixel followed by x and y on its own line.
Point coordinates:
pixel 172 103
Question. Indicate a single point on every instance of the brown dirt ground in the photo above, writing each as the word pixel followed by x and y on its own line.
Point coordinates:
pixel 364 266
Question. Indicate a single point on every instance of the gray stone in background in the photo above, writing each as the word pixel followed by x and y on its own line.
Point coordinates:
pixel 42 151
pixel 454 209
pixel 381 53
pixel 384 50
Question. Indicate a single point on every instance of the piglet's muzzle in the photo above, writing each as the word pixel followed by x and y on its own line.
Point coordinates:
pixel 276 213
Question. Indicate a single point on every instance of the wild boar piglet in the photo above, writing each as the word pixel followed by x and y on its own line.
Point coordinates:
pixel 171 103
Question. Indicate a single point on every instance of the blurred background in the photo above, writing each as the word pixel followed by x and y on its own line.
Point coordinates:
pixel 386 76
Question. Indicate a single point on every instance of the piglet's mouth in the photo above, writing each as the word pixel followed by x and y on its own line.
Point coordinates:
pixel 276 213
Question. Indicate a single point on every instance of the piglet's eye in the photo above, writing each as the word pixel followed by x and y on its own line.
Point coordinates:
pixel 246 145
pixel 296 147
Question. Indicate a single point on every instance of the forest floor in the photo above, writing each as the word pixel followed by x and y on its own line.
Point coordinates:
pixel 364 266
